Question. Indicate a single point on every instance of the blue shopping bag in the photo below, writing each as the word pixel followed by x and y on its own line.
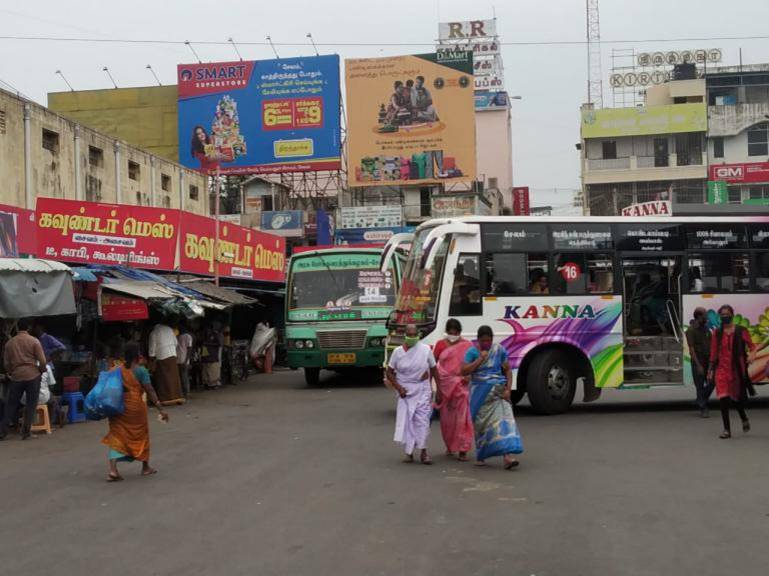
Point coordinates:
pixel 106 398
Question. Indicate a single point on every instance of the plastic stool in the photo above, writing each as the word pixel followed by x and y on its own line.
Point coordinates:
pixel 42 421
pixel 74 402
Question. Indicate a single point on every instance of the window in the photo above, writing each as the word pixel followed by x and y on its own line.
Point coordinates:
pixel 166 201
pixel 609 148
pixel 719 272
pixel 509 274
pixel 718 147
pixel 92 188
pixel 2 121
pixel 735 194
pixel 194 193
pixel 583 274
pixel 466 293
pixel 424 202
pixel 95 156
pixel 134 170
pixel 762 271
pixel 758 192
pixel 165 182
pixel 51 141
pixel 758 140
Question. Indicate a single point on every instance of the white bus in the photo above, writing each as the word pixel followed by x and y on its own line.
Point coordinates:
pixel 598 301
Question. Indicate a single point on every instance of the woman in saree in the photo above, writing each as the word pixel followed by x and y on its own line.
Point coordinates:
pixel 453 396
pixel 128 438
pixel 496 433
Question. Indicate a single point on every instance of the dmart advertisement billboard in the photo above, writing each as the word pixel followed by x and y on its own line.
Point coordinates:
pixel 410 119
pixel 260 117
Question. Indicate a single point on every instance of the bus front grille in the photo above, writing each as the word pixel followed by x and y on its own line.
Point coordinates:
pixel 342 339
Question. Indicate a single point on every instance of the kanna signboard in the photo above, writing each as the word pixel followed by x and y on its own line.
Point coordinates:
pixel 96 233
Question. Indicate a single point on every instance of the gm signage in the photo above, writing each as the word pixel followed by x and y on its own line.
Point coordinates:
pixel 757 172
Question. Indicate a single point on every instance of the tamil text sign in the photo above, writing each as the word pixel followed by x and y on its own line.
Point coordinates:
pixel 241 252
pixel 267 116
pixel 95 233
pixel 521 201
pixel 371 217
pixel 283 223
pixel 647 120
pixel 453 206
pixel 410 119
pixel 739 173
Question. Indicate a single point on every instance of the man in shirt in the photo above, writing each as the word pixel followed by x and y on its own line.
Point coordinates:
pixel 24 362
pixel 162 352
pixel 698 340
pixel 51 346
pixel 183 352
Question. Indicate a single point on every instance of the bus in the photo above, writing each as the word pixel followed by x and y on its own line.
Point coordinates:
pixel 601 302
pixel 337 303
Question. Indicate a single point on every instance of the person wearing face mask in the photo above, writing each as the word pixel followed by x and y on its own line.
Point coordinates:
pixel 453 396
pixel 698 340
pixel 409 372
pixel 496 433
pixel 731 349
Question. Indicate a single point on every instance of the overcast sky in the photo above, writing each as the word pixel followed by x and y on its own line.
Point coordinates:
pixel 551 79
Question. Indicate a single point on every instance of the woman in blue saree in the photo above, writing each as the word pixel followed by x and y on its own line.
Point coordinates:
pixel 496 433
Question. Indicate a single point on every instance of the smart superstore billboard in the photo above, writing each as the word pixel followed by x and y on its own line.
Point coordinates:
pixel 410 119
pixel 260 117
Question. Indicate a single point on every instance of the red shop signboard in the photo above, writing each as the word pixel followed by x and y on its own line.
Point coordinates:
pixel 243 252
pixel 115 308
pixel 18 239
pixel 521 206
pixel 96 233
pixel 740 173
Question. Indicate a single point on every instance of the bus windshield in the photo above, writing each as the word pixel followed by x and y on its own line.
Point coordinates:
pixel 339 286
pixel 418 298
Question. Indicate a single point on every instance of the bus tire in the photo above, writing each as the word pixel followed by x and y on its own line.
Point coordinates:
pixel 312 376
pixel 551 382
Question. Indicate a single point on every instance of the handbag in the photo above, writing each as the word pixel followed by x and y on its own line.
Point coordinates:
pixel 106 398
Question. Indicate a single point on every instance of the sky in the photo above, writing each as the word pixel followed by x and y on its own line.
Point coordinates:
pixel 551 79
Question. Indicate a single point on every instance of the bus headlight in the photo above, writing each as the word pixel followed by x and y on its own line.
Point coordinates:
pixel 376 342
pixel 299 344
pixel 309 344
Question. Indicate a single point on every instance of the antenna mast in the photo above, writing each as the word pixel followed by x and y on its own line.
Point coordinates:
pixel 594 73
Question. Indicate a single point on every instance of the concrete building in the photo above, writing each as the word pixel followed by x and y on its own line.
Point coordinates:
pixel 144 117
pixel 738 131
pixel 652 152
pixel 45 154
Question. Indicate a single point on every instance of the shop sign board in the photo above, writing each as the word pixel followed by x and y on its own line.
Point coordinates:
pixel 644 120
pixel 753 172
pixel 260 117
pixel 118 308
pixel 112 234
pixel 653 208
pixel 242 252
pixel 371 216
pixel 288 223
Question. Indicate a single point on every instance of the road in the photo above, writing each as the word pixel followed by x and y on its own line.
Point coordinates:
pixel 272 478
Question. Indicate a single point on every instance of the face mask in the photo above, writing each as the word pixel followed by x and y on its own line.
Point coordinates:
pixel 486 346
pixel 411 341
pixel 452 337
pixel 726 320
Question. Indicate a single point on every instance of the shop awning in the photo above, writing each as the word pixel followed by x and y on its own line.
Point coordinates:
pixel 83 275
pixel 164 296
pixel 30 287
pixel 226 295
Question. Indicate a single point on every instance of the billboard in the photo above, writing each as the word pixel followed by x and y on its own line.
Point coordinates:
pixel 97 233
pixel 260 117
pixel 23 239
pixel 491 101
pixel 754 172
pixel 242 252
pixel 283 223
pixel 370 216
pixel 644 120
pixel 410 119
pixel 521 201
pixel 352 236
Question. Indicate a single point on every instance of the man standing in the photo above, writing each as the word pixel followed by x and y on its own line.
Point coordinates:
pixel 698 340
pixel 24 362
pixel 162 352
pixel 183 352
pixel 409 371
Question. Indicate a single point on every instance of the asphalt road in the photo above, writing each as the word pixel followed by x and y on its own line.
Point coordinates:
pixel 272 478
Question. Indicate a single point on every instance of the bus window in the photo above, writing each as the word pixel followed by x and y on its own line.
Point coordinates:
pixel 719 272
pixel 539 282
pixel 516 274
pixel 762 271
pixel 580 274
pixel 466 293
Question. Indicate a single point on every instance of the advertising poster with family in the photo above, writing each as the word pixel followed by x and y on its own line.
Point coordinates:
pixel 410 119
pixel 260 117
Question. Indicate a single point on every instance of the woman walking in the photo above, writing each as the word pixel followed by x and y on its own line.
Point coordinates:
pixel 496 433
pixel 408 372
pixel 128 438
pixel 731 349
pixel 453 397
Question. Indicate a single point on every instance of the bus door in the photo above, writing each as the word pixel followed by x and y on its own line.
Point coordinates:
pixel 652 311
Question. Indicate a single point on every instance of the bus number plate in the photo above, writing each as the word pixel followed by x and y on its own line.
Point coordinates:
pixel 347 358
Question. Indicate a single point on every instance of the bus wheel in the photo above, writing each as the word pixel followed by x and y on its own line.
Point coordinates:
pixel 312 376
pixel 516 396
pixel 551 382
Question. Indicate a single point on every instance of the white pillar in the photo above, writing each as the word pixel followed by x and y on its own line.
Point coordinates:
pixel 181 188
pixel 153 199
pixel 78 170
pixel 29 200
pixel 118 191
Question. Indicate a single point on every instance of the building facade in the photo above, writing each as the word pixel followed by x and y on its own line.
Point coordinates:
pixel 44 154
pixel 654 152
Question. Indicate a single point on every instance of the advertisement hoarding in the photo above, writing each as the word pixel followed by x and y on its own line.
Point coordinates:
pixel 96 233
pixel 289 223
pixel 467 30
pixel 410 119
pixel 242 252
pixel 718 192
pixel 754 172
pixel 521 201
pixel 352 236
pixel 119 308
pixel 260 117
pixel 491 101
pixel 644 120
pixel 24 235
pixel 453 205
pixel 370 216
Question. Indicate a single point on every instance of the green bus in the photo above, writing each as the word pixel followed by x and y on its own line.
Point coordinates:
pixel 337 303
